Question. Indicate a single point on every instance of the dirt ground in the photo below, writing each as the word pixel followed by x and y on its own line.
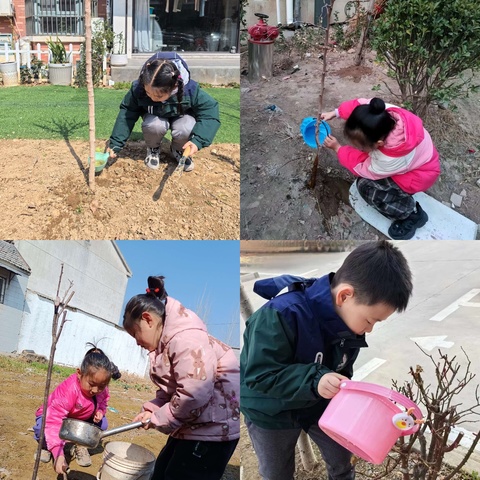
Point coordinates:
pixel 45 194
pixel 363 470
pixel 276 163
pixel 22 393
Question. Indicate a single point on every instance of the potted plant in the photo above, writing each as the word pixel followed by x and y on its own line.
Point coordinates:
pixel 118 58
pixel 59 65
pixel 8 71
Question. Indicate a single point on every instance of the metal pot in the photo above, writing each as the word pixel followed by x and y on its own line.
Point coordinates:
pixel 88 435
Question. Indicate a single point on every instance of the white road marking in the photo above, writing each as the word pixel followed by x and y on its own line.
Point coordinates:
pixel 463 301
pixel 429 343
pixel 367 368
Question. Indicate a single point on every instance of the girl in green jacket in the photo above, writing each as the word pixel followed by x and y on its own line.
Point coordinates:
pixel 167 99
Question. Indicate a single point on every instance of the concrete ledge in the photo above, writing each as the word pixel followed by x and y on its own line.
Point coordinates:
pixel 205 68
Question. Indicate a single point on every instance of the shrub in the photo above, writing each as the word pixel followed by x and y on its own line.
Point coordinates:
pixel 32 74
pixel 428 45
pixel 98 52
pixel 421 456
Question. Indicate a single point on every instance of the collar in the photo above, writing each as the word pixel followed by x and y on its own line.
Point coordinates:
pixel 319 297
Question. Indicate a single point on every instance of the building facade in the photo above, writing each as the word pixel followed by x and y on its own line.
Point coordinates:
pixel 99 274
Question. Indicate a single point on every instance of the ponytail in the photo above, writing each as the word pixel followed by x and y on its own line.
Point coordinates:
pixel 164 76
pixel 96 359
pixel 369 123
pixel 151 301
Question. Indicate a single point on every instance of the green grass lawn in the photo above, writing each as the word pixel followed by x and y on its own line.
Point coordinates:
pixel 56 112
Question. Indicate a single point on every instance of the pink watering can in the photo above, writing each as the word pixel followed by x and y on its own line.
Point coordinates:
pixel 366 420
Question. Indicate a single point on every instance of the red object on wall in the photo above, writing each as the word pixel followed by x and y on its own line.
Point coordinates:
pixel 261 32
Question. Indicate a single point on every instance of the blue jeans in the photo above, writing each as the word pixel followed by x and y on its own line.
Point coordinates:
pixel 275 450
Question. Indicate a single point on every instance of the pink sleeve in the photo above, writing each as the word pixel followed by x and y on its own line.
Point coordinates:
pixel 358 163
pixel 350 157
pixel 58 408
pixel 102 399
pixel 195 370
pixel 346 108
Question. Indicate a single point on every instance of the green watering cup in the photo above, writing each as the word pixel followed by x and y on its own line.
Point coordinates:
pixel 100 161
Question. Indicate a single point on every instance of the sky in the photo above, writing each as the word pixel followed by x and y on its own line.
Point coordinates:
pixel 204 275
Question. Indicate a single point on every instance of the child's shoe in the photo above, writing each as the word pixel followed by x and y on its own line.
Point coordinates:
pixel 45 456
pixel 405 229
pixel 152 160
pixel 82 456
pixel 177 155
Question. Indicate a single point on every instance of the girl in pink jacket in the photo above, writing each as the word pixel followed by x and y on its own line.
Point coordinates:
pixel 83 396
pixel 198 378
pixel 393 156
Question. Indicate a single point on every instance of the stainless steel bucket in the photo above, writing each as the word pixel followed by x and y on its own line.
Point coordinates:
pixel 88 435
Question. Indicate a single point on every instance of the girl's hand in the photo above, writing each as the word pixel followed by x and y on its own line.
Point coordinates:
pixel 60 465
pixel 111 153
pixel 332 143
pixel 329 384
pixel 145 418
pixel 193 148
pixel 98 416
pixel 328 115
pixel 109 150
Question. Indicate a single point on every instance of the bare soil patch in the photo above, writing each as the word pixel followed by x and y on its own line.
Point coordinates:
pixel 45 194
pixel 22 393
pixel 276 163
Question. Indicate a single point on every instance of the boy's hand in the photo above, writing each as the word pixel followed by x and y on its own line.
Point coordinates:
pixel 193 148
pixel 145 418
pixel 329 384
pixel 332 143
pixel 98 416
pixel 60 465
pixel 328 115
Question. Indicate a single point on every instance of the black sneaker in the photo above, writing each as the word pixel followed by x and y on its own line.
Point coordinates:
pixel 152 160
pixel 405 229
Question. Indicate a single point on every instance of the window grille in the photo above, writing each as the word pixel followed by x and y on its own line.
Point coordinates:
pixel 56 17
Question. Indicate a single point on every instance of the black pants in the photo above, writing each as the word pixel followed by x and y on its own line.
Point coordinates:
pixel 193 460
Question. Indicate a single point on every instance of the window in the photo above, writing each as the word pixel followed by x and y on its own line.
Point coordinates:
pixel 189 25
pixel 3 286
pixel 56 17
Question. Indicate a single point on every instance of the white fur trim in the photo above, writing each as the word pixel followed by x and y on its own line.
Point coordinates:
pixel 382 164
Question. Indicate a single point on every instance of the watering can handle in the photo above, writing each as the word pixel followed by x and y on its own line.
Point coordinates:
pixel 386 393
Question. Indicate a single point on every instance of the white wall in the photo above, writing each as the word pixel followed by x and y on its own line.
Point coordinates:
pixel 307 11
pixel 78 330
pixel 99 281
pixel 99 276
pixel 11 311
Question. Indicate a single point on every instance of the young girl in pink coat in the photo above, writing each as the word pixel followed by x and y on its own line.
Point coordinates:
pixel 393 156
pixel 198 377
pixel 83 396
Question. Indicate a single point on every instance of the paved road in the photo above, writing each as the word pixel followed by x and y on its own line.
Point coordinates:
pixel 443 272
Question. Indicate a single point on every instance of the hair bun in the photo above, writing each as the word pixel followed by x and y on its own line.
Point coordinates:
pixel 156 287
pixel 377 106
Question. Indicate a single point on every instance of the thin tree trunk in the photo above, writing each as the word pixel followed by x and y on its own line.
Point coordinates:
pixel 91 99
pixel 306 452
pixel 59 311
pixel 363 34
pixel 313 175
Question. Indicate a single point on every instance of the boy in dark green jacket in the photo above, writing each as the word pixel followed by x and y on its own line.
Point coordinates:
pixel 300 345
pixel 166 98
